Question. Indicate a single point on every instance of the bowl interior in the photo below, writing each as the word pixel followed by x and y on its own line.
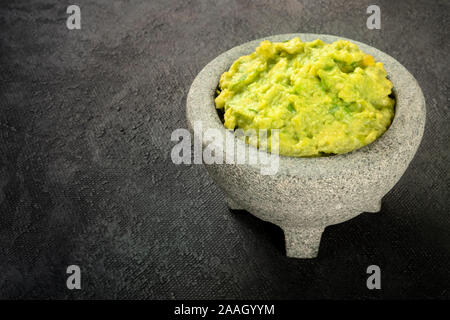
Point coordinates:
pixel 400 141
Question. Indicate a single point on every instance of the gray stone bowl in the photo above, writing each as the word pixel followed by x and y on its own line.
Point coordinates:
pixel 308 194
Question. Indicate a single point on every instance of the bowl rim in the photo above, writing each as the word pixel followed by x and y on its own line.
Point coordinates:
pixel 402 138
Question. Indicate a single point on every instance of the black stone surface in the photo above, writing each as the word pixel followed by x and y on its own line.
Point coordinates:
pixel 86 176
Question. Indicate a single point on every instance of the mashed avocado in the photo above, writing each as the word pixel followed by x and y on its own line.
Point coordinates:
pixel 323 98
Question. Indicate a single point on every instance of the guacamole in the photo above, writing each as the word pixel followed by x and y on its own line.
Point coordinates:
pixel 323 98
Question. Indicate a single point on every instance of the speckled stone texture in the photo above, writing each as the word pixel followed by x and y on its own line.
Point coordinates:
pixel 308 194
pixel 86 176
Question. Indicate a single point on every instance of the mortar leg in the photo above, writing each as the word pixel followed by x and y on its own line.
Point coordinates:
pixel 232 204
pixel 374 206
pixel 302 242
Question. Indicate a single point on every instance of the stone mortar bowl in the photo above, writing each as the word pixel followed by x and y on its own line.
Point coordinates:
pixel 308 194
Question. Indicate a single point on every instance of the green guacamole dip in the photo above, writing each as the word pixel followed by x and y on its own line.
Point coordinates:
pixel 323 98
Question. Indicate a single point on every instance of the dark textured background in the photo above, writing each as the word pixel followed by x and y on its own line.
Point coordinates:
pixel 86 176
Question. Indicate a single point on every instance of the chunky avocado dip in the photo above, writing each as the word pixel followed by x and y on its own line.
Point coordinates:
pixel 323 98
